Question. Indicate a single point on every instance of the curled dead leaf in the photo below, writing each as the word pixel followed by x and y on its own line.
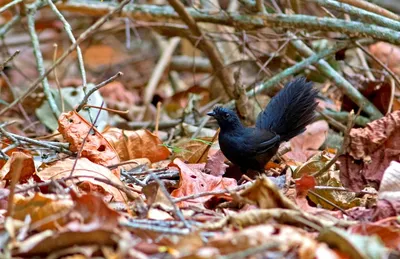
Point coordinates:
pixel 370 152
pixel 21 162
pixel 46 211
pixel 266 195
pixel 86 173
pixel 136 144
pixel 96 148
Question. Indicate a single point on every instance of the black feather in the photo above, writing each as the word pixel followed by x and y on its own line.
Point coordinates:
pixel 286 116
pixel 290 111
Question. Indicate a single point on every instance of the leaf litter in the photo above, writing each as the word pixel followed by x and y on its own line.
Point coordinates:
pixel 146 178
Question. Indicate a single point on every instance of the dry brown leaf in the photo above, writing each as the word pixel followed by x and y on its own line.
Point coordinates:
pixel 136 144
pixel 85 171
pixel 96 148
pixel 389 234
pixel 91 221
pixel 47 211
pixel 22 160
pixel 194 181
pixel 193 151
pixel 266 195
pixel 370 152
pixel 216 164
pixel 330 178
pixel 387 53
pixel 294 239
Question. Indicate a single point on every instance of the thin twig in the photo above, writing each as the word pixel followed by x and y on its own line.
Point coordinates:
pixel 159 69
pixel 78 155
pixel 87 33
pixel 10 58
pixel 97 87
pixel 202 194
pixel 9 5
pixel 380 63
pixel 345 143
pixel 31 11
pixel 71 37
pixel 177 211
pixel 56 78
pixel 224 74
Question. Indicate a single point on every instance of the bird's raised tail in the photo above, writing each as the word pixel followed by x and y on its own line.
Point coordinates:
pixel 290 111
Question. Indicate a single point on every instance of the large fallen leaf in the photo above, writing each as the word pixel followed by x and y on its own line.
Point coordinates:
pixel 193 151
pixel 96 148
pixel 266 195
pixel 390 185
pixel 18 161
pixel 136 144
pixel 46 211
pixel 370 151
pixel 91 221
pixel 194 182
pixel 85 173
pixel 72 97
pixel 388 53
pixel 331 178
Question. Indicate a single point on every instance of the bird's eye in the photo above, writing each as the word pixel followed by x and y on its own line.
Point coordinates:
pixel 226 115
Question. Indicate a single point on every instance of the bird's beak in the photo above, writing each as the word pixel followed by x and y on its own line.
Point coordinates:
pixel 212 114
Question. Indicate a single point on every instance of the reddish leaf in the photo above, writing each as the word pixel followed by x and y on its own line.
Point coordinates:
pixel 194 181
pixel 18 160
pixel 216 164
pixel 136 144
pixel 370 151
pixel 96 148
pixel 390 235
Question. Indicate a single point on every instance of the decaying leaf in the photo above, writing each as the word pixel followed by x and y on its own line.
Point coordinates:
pixel 389 234
pixel 136 144
pixel 194 182
pixel 272 236
pixel 85 174
pixel 46 211
pixel 91 221
pixel 370 151
pixel 388 53
pixel 20 160
pixel 193 150
pixel 96 148
pixel 266 195
pixel 330 178
pixel 216 164
pixel 352 245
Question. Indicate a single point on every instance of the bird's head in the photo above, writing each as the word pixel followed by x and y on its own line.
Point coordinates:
pixel 226 118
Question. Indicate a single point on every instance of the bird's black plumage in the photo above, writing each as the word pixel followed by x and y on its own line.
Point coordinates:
pixel 286 116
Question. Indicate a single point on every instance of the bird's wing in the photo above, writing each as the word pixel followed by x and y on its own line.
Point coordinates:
pixel 260 141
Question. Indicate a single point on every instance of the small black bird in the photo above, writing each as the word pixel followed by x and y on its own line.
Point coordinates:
pixel 286 116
